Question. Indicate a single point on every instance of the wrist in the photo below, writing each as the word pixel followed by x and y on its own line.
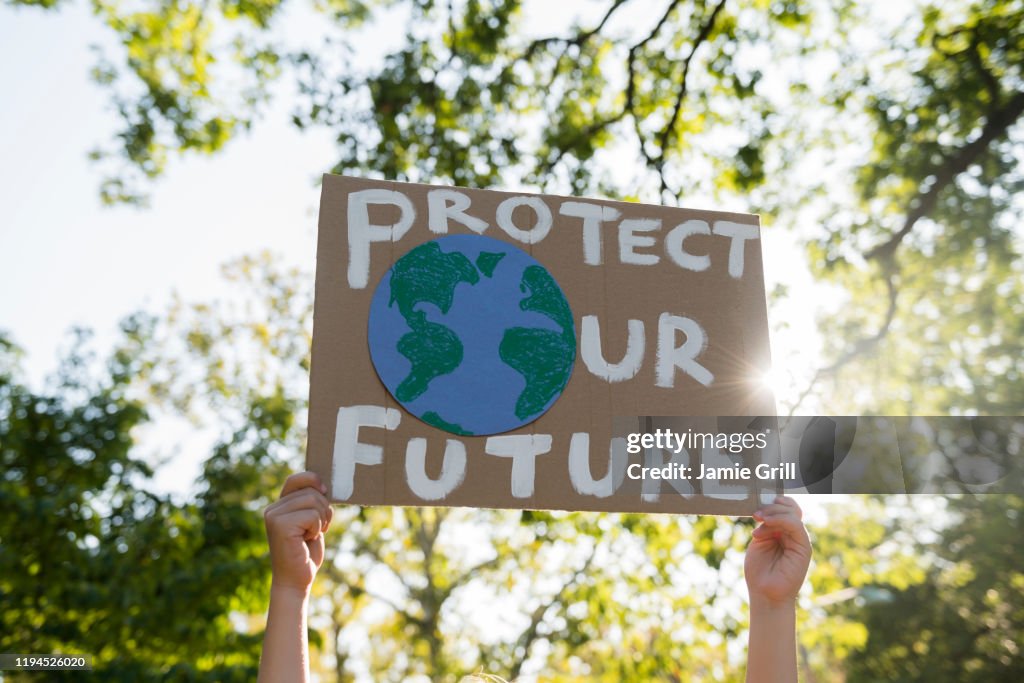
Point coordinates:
pixel 288 593
pixel 769 606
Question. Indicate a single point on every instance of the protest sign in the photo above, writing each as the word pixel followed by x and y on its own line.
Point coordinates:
pixel 497 349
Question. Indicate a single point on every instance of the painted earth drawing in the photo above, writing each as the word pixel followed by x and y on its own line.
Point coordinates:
pixel 471 335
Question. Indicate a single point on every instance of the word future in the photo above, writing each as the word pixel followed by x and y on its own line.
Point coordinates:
pixel 522 449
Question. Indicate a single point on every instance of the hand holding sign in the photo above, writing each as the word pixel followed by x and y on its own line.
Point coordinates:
pixel 296 524
pixel 779 553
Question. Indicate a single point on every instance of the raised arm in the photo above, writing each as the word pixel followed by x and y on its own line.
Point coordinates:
pixel 296 523
pixel 775 567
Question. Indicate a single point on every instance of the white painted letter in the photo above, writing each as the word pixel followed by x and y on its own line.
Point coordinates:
pixel 445 205
pixel 629 240
pixel 579 466
pixel 348 452
pixel 674 245
pixel 453 469
pixel 590 349
pixel 593 215
pixel 650 489
pixel 740 233
pixel 361 233
pixel 523 449
pixel 535 234
pixel 683 357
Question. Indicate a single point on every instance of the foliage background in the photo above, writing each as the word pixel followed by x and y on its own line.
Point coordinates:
pixel 882 142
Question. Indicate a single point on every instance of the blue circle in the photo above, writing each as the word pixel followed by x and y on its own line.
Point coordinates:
pixel 471 335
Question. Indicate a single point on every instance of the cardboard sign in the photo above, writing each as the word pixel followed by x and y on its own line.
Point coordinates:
pixel 495 349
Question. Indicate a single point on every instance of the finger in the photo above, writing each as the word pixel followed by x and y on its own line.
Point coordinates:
pixel 302 480
pixel 789 502
pixel 326 512
pixel 763 533
pixel 302 494
pixel 773 509
pixel 300 500
pixel 789 525
pixel 780 504
pixel 303 498
pixel 777 513
pixel 308 521
pixel 316 550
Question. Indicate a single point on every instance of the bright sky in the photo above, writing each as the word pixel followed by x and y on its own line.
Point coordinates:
pixel 66 259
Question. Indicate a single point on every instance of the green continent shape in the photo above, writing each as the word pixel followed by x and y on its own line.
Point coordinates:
pixel 432 418
pixel 544 358
pixel 487 261
pixel 547 299
pixel 433 350
pixel 427 274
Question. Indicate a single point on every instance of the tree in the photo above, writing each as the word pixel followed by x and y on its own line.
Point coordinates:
pixel 902 143
pixel 930 251
pixel 92 562
pixel 965 622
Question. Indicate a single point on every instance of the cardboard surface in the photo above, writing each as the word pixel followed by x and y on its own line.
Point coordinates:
pixel 693 281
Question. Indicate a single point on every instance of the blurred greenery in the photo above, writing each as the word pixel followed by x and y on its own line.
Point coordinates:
pixel 93 562
pixel 891 148
pixel 964 621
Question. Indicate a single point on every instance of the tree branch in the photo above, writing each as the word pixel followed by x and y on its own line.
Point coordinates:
pixel 338 576
pixel 578 40
pixel 426 537
pixel 468 575
pixel 702 36
pixel 340 652
pixel 530 634
pixel 862 345
pixel 454 32
pixel 999 121
pixel 587 35
pixel 364 546
pixel 991 82
pixel 630 105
